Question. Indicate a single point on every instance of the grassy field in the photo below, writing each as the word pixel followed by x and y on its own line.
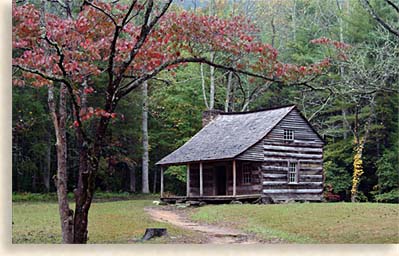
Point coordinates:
pixel 310 223
pixel 109 222
pixel 98 197
pixel 126 221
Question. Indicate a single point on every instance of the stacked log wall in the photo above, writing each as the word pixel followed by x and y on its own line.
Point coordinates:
pixel 255 187
pixel 306 150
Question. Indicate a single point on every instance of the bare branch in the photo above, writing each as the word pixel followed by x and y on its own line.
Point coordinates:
pixel 125 19
pixel 101 10
pixel 37 72
pixel 145 31
pixel 162 80
pixel 321 107
pixel 393 5
pixel 136 82
pixel 366 4
pixel 60 62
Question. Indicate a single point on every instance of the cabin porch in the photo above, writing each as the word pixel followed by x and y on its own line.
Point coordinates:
pixel 219 182
pixel 211 199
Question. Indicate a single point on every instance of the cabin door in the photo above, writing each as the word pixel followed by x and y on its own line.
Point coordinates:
pixel 220 180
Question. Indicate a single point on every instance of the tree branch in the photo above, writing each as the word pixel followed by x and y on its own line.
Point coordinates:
pixel 37 72
pixel 136 82
pixel 125 19
pixel 393 5
pixel 321 107
pixel 101 10
pixel 366 5
pixel 145 31
pixel 60 62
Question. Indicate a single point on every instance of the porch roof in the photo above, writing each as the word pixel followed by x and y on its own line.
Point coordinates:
pixel 227 136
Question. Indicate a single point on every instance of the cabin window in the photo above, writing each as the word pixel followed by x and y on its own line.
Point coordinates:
pixel 246 174
pixel 292 173
pixel 288 135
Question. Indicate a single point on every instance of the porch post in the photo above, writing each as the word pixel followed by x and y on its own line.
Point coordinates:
pixel 188 180
pixel 234 177
pixel 161 181
pixel 201 181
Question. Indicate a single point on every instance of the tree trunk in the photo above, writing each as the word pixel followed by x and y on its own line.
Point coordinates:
pixel 59 121
pixel 359 146
pixel 47 168
pixel 294 21
pixel 357 170
pixel 273 31
pixel 154 186
pixel 228 89
pixel 15 162
pixel 203 86
pixel 145 185
pixel 34 181
pixel 212 84
pixel 132 173
pixel 88 167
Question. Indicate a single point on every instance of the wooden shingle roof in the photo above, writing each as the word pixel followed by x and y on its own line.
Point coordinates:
pixel 227 136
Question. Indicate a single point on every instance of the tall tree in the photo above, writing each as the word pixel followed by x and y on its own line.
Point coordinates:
pixel 145 182
pixel 125 45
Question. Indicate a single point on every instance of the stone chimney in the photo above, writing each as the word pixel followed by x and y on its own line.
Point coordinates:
pixel 209 115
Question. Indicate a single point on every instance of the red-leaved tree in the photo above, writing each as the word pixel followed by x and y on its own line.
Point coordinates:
pixel 124 45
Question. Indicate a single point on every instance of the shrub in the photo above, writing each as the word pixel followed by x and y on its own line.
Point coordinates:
pixel 389 197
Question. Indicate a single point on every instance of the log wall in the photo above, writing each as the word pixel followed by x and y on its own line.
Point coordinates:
pixel 270 159
pixel 255 187
pixel 306 150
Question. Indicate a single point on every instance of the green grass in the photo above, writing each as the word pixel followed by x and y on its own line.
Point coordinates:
pixel 126 221
pixel 98 197
pixel 109 222
pixel 310 223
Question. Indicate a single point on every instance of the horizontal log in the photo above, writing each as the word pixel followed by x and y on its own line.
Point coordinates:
pixel 272 175
pixel 281 142
pixel 285 173
pixel 258 158
pixel 316 183
pixel 280 159
pixel 293 148
pixel 278 182
pixel 311 176
pixel 294 155
pixel 296 141
pixel 304 168
pixel 292 186
pixel 315 161
pixel 274 168
pixel 279 191
pixel 297 136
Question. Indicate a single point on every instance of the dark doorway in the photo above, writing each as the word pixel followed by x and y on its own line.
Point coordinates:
pixel 220 181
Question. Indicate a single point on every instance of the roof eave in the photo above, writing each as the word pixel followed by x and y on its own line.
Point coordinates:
pixel 194 162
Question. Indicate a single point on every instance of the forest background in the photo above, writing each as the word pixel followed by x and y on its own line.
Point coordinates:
pixel 355 103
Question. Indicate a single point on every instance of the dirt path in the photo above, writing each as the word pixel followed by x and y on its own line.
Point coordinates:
pixel 215 234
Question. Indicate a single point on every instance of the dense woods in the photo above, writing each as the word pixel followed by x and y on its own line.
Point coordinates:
pixel 346 51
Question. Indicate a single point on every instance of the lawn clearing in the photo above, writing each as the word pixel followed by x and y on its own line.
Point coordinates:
pixel 109 222
pixel 310 223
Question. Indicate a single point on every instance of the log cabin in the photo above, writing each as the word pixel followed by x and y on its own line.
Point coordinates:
pixel 273 154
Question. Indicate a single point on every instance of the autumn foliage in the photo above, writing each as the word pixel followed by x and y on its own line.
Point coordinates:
pixel 85 44
pixel 123 46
